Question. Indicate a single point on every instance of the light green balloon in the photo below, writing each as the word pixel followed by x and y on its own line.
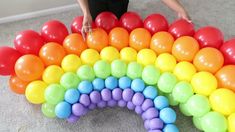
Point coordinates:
pixel 182 91
pixel 134 70
pixel 86 72
pixel 102 69
pixel 198 105
pixel 69 80
pixel 118 68
pixel 171 100
pixel 184 110
pixel 54 94
pixel 197 122
pixel 167 82
pixel 48 110
pixel 214 122
pixel 150 75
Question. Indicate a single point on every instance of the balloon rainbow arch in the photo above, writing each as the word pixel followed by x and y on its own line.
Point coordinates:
pixel 145 66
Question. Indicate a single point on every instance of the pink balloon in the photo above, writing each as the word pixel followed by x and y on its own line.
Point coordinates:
pixel 155 23
pixel 76 25
pixel 228 50
pixel 107 21
pixel 130 21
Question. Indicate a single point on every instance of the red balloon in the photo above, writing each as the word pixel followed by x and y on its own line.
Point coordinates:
pixel 181 27
pixel 54 31
pixel 107 21
pixel 130 21
pixel 28 42
pixel 209 37
pixel 155 23
pixel 228 50
pixel 76 25
pixel 8 58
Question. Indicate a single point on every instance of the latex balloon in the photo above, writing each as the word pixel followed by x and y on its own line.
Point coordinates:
pixel 28 42
pixel 48 110
pixel 185 48
pixel 128 54
pixel 225 77
pixel 119 38
pixel 17 85
pixel 8 58
pixel 98 39
pixel 134 70
pixel 139 39
pixel 162 42
pixel 90 56
pixel 109 54
pixel 71 63
pixel 150 75
pixel 29 67
pixel 102 69
pixel 167 82
pixel 69 80
pixel 76 25
pixel 197 122
pixel 165 62
pixel 106 20
pixel 181 28
pixel 205 60
pixel 155 23
pixel 52 54
pixel 74 44
pixel 228 50
pixel 54 94
pixel 86 72
pixel 209 37
pixel 231 122
pixel 52 74
pixel 130 21
pixel 146 57
pixel 54 31
pixel 184 71
pixel 182 91
pixel 118 68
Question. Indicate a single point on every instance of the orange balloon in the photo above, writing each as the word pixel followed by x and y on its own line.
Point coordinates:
pixel 97 39
pixel 185 48
pixel 140 39
pixel 226 77
pixel 208 59
pixel 74 44
pixel 29 67
pixel 119 38
pixel 52 53
pixel 17 85
pixel 162 42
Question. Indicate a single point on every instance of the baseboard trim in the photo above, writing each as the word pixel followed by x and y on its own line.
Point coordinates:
pixel 37 13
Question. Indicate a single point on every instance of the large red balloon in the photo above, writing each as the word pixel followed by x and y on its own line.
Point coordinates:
pixel 54 31
pixel 8 58
pixel 155 23
pixel 107 21
pixel 28 42
pixel 181 27
pixel 130 21
pixel 76 25
pixel 209 37
pixel 228 50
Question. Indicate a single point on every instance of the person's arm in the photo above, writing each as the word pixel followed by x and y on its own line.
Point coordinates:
pixel 87 19
pixel 177 7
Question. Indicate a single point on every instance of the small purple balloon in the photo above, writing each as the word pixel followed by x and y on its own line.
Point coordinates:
pixel 147 104
pixel 156 123
pixel 154 131
pixel 117 94
pixel 122 103
pixel 150 113
pixel 78 109
pixel 127 94
pixel 146 124
pixel 106 94
pixel 102 104
pixel 85 100
pixel 138 99
pixel 112 103
pixel 95 97
pixel 92 106
pixel 130 105
pixel 72 118
pixel 138 110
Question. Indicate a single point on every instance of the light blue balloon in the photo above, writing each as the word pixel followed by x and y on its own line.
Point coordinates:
pixel 111 82
pixel 137 85
pixel 63 110
pixel 150 92
pixel 72 96
pixel 124 82
pixel 161 102
pixel 85 87
pixel 167 115
pixel 98 84
pixel 170 128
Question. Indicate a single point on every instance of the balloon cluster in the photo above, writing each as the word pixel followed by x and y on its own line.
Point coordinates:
pixel 142 65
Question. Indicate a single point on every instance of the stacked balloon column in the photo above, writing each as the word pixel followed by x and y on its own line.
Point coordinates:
pixel 146 66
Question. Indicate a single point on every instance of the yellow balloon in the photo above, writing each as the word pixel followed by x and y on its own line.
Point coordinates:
pixel 231 123
pixel 71 63
pixel 222 100
pixel 146 57
pixel 128 54
pixel 109 54
pixel 184 71
pixel 90 56
pixel 35 92
pixel 165 62
pixel 204 83
pixel 52 74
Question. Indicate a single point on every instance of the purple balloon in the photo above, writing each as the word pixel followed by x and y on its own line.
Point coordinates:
pixel 127 94
pixel 72 118
pixel 78 109
pixel 156 123
pixel 154 131
pixel 138 99
pixel 138 110
pixel 130 105
pixel 122 103
pixel 102 104
pixel 117 94
pixel 106 94
pixel 85 100
pixel 92 106
pixel 95 97
pixel 146 124
pixel 112 103
pixel 147 104
pixel 150 113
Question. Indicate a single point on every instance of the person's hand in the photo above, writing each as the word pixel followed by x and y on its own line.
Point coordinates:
pixel 184 15
pixel 86 25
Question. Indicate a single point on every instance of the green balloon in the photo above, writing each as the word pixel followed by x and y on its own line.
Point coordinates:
pixel 214 122
pixel 198 105
pixel 102 69
pixel 134 70
pixel 118 68
pixel 167 82
pixel 197 122
pixel 86 72
pixel 150 75
pixel 184 110
pixel 182 91
pixel 54 94
pixel 171 100
pixel 69 80
pixel 48 110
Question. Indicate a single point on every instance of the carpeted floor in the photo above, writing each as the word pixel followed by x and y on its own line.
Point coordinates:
pixel 17 115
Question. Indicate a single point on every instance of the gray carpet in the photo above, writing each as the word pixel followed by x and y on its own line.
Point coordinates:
pixel 17 115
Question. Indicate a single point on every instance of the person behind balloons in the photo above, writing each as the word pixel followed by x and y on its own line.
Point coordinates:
pixel 91 8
